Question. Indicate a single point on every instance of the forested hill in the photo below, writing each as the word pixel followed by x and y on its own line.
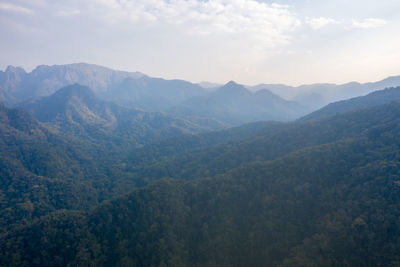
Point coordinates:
pixel 48 167
pixel 41 170
pixel 373 99
pixel 234 104
pixel 45 168
pixel 267 143
pixel 332 202
pixel 77 111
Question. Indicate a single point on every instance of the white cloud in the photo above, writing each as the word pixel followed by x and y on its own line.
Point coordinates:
pixel 15 8
pixel 368 23
pixel 268 23
pixel 318 23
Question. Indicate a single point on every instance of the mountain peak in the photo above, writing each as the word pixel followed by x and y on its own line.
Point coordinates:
pixel 73 103
pixel 75 90
pixel 232 88
pixel 231 83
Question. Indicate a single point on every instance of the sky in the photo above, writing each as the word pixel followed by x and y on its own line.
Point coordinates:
pixel 250 41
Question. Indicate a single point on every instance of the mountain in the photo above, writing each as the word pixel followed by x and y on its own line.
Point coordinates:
pixel 183 149
pixel 268 143
pixel 284 91
pixel 71 160
pixel 234 104
pixel 41 170
pixel 86 182
pixel 152 94
pixel 330 201
pixel 17 86
pixel 318 95
pixel 373 99
pixel 9 80
pixel 132 89
pixel 75 110
pixel 46 168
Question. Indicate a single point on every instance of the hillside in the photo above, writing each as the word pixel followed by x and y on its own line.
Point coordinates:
pixel 41 170
pixel 77 111
pixel 373 99
pixel 72 160
pixel 267 143
pixel 234 104
pixel 333 203
pixel 46 168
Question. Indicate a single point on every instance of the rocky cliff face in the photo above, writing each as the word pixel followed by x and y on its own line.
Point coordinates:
pixel 16 85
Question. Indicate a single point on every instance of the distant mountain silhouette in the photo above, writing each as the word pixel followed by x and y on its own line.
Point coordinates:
pixel 16 85
pixel 152 94
pixel 136 90
pixel 319 95
pixel 77 111
pixel 373 99
pixel 132 89
pixel 234 104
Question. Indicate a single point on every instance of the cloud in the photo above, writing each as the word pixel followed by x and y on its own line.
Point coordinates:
pixel 15 8
pixel 259 24
pixel 318 23
pixel 269 23
pixel 368 23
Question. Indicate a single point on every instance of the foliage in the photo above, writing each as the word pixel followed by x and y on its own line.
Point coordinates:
pixel 316 193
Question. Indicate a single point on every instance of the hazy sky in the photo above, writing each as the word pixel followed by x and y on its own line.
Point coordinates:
pixel 249 41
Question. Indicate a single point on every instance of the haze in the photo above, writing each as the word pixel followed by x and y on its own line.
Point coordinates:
pixel 285 41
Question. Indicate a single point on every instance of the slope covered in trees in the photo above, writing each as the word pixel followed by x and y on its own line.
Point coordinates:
pixel 330 197
pixel 235 105
pixel 373 99
pixel 73 161
pixel 77 111
pixel 268 143
pixel 53 166
pixel 40 170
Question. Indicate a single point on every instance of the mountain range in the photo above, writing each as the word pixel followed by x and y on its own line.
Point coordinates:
pixel 223 106
pixel 112 168
pixel 319 192
pixel 152 94
pixel 77 111
pixel 373 99
pixel 316 96
pixel 229 105
pixel 234 104
pixel 16 85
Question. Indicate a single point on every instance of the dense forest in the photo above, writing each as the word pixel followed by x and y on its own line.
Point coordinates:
pixel 85 182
